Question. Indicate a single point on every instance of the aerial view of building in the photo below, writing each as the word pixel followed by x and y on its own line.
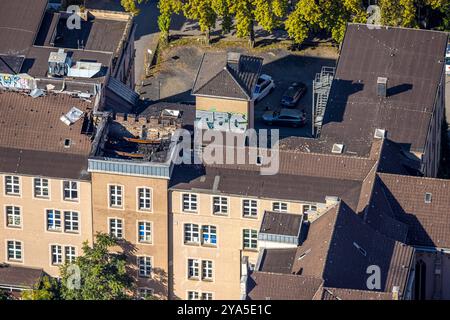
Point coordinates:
pixel 145 163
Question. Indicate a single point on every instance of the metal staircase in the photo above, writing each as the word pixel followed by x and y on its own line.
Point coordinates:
pixel 321 91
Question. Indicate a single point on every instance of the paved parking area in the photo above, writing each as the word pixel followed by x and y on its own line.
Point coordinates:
pixel 176 73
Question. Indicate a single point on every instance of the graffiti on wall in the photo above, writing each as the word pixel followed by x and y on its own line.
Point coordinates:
pixel 221 121
pixel 19 81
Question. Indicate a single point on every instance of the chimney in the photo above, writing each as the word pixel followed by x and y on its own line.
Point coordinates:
pixel 395 292
pixel 233 59
pixel 382 86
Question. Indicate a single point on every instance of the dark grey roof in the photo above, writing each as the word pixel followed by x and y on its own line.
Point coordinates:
pixel 19 24
pixel 19 277
pixel 218 78
pixel 413 62
pixel 350 294
pixel 272 286
pixel 281 223
pixel 11 64
pixel 277 260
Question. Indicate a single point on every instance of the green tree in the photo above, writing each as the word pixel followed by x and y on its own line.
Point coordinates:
pixel 103 274
pixel 166 9
pixel 203 12
pixel 131 6
pixel 222 9
pixel 4 295
pixel 46 289
pixel 398 13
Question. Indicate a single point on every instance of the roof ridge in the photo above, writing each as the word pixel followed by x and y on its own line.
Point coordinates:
pixel 413 177
pixel 226 68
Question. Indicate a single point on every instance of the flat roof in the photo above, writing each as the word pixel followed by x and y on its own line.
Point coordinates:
pixel 280 223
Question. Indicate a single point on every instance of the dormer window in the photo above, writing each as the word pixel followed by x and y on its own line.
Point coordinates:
pixel 428 197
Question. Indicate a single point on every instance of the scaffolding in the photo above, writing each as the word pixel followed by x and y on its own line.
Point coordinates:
pixel 321 91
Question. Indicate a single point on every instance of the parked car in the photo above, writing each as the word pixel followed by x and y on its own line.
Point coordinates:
pixel 264 86
pixel 293 94
pixel 447 60
pixel 285 117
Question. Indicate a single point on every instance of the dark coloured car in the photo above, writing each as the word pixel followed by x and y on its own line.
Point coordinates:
pixel 285 117
pixel 293 94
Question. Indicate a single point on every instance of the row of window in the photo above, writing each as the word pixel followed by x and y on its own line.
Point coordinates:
pixel 208 236
pixel 197 295
pixel 60 254
pixel 56 220
pixel 144 234
pixel 200 269
pixel 116 197
pixel 220 206
pixel 41 188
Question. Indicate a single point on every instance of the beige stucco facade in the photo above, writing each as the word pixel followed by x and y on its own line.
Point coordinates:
pixel 130 214
pixel 36 240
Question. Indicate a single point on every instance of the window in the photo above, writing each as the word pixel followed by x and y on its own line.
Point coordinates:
pixel 53 220
pixel 115 228
pixel 207 270
pixel 70 190
pixel 56 253
pixel 193 295
pixel 309 207
pixel 13 217
pixel 115 196
pixel 428 197
pixel 207 296
pixel 71 221
pixel 145 266
pixel 70 254
pixel 41 189
pixel 249 208
pixel 144 293
pixel 193 269
pixel 279 207
pixel 209 235
pixel 189 202
pixel 220 205
pixel 145 231
pixel 144 201
pixel 191 233
pixel 14 250
pixel 12 185
pixel 250 239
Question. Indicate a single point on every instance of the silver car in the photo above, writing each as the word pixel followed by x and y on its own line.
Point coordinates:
pixel 285 117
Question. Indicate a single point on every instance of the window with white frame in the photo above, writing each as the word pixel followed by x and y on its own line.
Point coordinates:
pixel 116 228
pixel 56 254
pixel 115 196
pixel 191 233
pixel 41 188
pixel 13 217
pixel 71 221
pixel 189 202
pixel 145 199
pixel 14 249
pixel 279 207
pixel 193 269
pixel 70 190
pixel 54 220
pixel 207 270
pixel 250 239
pixel 145 231
pixel 309 207
pixel 70 254
pixel 220 205
pixel 193 295
pixel 209 235
pixel 145 266
pixel 12 185
pixel 249 208
pixel 145 293
pixel 207 296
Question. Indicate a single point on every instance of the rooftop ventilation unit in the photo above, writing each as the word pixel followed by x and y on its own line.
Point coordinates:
pixel 72 116
pixel 58 63
pixel 233 57
pixel 382 86
pixel 337 148
pixel 380 134
pixel 84 69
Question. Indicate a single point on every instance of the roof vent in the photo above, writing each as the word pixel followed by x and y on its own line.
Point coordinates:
pixel 382 86
pixel 58 63
pixel 233 57
pixel 428 197
pixel 337 148
pixel 380 134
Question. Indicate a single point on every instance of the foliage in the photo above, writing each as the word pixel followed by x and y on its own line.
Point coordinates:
pixel 103 274
pixel 203 12
pixel 166 9
pixel 4 295
pixel 222 9
pixel 46 289
pixel 131 5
